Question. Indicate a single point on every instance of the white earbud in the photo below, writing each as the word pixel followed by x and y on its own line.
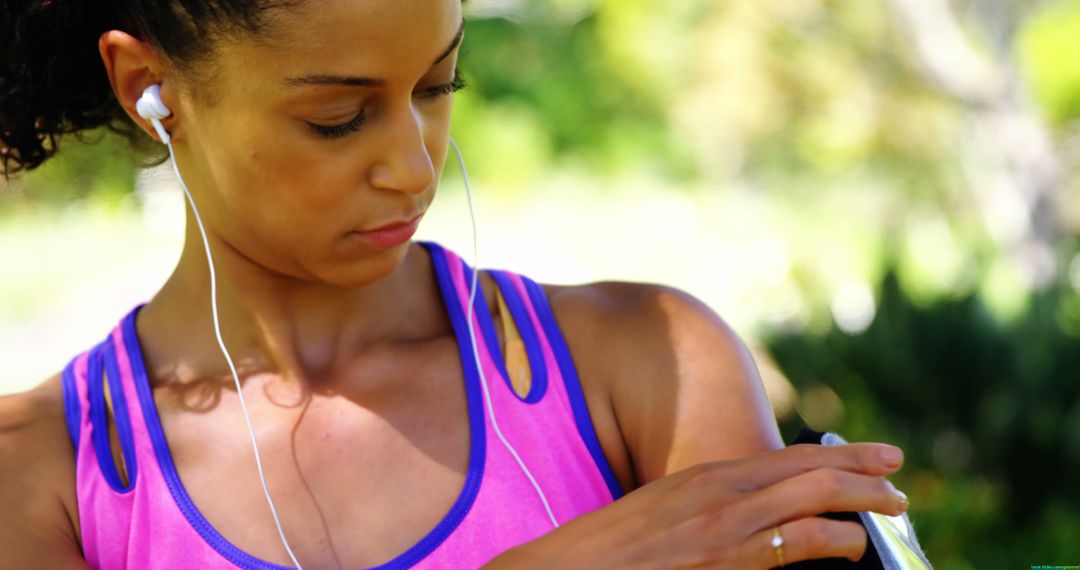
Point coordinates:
pixel 153 109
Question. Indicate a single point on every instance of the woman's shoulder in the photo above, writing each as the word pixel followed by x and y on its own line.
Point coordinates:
pixel 32 424
pixel 643 337
pixel 682 385
pixel 649 326
pixel 38 518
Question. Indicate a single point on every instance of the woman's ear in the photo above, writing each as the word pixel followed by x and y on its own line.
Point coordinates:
pixel 132 65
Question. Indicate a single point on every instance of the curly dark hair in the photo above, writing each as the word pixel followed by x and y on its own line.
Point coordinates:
pixel 53 82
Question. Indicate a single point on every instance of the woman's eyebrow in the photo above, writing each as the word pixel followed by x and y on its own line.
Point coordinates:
pixel 326 79
pixel 453 43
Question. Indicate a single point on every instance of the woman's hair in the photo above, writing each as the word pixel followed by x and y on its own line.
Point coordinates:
pixel 52 79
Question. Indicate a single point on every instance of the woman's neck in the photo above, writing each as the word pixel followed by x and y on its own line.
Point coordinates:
pixel 302 332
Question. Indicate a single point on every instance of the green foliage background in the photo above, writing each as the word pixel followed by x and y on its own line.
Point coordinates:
pixel 818 109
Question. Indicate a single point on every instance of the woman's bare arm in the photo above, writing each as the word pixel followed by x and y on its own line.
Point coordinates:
pixel 682 386
pixel 38 527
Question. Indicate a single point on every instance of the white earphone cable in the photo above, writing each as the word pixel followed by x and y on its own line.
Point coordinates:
pixel 232 367
pixel 476 354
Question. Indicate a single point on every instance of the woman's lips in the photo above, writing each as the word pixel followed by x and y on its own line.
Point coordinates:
pixel 390 234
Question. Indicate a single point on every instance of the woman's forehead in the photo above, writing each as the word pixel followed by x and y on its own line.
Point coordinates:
pixel 362 38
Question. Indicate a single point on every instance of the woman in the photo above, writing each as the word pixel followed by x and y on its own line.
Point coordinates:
pixel 301 129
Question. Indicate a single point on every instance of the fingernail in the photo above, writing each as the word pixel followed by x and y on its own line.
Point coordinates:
pixel 900 494
pixel 892 456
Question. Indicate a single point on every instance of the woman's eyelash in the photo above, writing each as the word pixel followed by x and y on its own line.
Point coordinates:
pixel 354 124
pixel 335 131
pixel 456 85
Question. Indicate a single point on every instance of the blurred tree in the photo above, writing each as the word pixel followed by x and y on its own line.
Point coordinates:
pixel 94 165
pixel 1008 155
pixel 1047 45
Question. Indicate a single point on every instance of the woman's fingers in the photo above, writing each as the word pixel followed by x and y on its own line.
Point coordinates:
pixel 767 469
pixel 820 491
pixel 806 539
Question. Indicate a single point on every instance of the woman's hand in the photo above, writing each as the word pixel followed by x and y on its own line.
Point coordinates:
pixel 723 514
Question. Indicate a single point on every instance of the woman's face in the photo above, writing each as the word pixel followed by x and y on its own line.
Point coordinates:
pixel 336 119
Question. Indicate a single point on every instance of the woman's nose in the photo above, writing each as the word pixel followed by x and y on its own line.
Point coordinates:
pixel 405 164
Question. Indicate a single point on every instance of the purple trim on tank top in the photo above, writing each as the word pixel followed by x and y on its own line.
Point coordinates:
pixel 165 461
pixel 461 507
pixel 97 366
pixel 72 407
pixel 121 415
pixel 533 350
pixel 572 384
pixel 487 326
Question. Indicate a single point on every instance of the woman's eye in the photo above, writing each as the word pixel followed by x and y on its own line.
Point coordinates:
pixel 335 131
pixel 354 124
pixel 456 85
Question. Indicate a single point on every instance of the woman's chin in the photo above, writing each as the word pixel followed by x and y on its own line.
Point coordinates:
pixel 362 271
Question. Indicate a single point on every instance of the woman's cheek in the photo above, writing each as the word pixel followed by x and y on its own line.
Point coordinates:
pixel 326 191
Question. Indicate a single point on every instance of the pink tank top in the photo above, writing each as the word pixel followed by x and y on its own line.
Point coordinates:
pixel 151 523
